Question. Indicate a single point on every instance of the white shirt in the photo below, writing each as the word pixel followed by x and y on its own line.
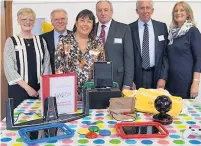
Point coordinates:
pixel 107 27
pixel 151 40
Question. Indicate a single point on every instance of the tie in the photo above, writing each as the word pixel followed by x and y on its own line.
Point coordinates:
pixel 60 36
pixel 145 48
pixel 102 34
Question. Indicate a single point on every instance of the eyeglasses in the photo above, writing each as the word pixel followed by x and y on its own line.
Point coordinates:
pixel 147 8
pixel 27 20
pixel 60 20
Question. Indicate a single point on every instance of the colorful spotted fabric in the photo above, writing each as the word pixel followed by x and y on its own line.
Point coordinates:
pixel 190 116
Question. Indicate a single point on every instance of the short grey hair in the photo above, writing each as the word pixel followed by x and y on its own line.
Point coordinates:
pixel 105 1
pixel 26 11
pixel 58 10
pixel 137 3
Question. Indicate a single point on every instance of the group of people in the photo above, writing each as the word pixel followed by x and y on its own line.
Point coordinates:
pixel 143 53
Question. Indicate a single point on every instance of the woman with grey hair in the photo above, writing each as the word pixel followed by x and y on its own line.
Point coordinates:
pixel 26 58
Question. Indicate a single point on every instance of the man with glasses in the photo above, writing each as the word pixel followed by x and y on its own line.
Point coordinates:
pixel 59 19
pixel 149 42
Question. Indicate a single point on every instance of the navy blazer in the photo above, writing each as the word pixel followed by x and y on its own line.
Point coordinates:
pixel 49 38
pixel 161 62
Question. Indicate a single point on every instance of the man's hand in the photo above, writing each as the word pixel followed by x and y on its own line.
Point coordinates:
pixel 134 86
pixel 128 87
pixel 161 83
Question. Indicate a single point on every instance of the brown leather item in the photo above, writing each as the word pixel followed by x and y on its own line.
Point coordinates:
pixel 122 109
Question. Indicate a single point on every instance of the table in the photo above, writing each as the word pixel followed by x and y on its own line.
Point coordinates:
pixel 190 116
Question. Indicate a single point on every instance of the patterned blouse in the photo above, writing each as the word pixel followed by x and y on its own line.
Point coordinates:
pixel 69 57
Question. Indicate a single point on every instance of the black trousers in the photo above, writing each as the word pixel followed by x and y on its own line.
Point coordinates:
pixel 148 78
pixel 19 94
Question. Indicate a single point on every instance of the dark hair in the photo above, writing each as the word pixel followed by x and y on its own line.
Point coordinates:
pixel 87 13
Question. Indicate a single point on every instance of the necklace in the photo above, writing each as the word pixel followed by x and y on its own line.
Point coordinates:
pixel 27 37
pixel 28 42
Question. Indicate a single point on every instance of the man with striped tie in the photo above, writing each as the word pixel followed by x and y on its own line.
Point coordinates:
pixel 149 42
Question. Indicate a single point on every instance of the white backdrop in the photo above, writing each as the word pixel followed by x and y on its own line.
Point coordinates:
pixel 124 11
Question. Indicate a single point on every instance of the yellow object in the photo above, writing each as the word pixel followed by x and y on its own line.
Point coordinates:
pixel 46 27
pixel 113 130
pixel 100 126
pixel 17 144
pixel 145 100
pixel 83 131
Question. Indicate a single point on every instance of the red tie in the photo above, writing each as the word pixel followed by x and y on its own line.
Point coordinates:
pixel 102 34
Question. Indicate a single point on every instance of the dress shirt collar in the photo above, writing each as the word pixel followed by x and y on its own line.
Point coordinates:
pixel 141 23
pixel 57 34
pixel 106 24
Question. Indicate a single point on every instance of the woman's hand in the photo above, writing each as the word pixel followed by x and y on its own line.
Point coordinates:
pixel 31 92
pixel 194 89
pixel 39 93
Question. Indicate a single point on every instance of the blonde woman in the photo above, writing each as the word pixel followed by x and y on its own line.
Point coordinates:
pixel 25 58
pixel 184 53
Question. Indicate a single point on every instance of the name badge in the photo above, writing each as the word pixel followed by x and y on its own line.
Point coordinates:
pixel 117 40
pixel 18 48
pixel 161 38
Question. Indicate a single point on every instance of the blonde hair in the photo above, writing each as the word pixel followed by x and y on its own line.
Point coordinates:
pixel 26 11
pixel 58 10
pixel 187 9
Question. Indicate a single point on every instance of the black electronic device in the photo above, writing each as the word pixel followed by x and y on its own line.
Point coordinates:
pixel 130 130
pixel 103 75
pixel 99 99
pixel 163 104
pixel 11 125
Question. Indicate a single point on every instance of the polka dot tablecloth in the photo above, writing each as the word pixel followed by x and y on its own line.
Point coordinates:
pixel 191 116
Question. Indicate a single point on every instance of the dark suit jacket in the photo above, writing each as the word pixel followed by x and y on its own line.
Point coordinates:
pixel 49 38
pixel 161 63
pixel 121 54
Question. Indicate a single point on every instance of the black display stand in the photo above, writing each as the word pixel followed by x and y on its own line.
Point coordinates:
pixel 50 117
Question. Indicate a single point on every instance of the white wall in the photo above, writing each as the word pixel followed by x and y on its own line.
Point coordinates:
pixel 124 11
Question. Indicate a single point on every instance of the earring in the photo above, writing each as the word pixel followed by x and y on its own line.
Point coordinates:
pixel 188 19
